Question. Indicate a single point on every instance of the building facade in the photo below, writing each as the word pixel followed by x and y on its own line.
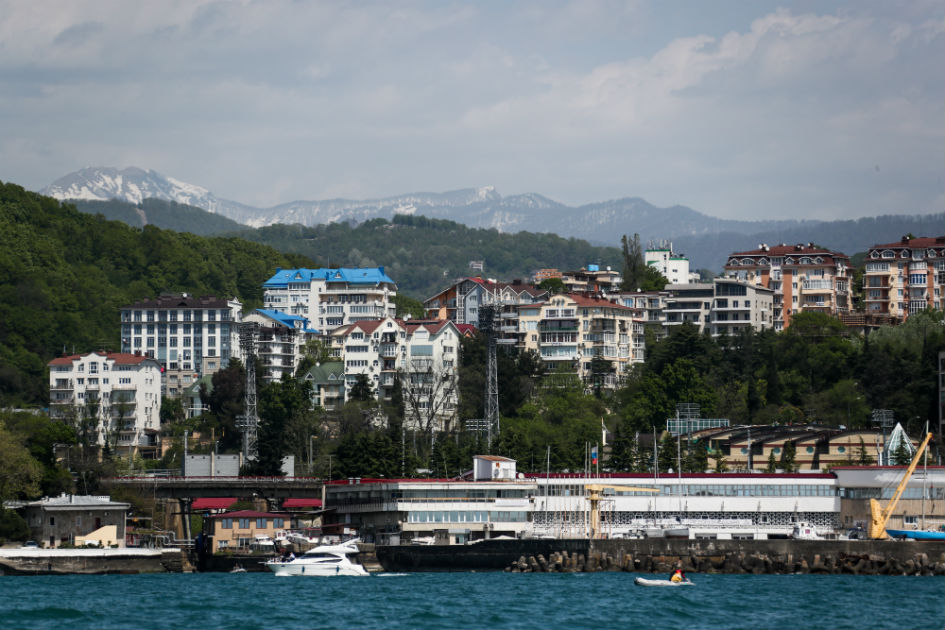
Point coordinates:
pixel 187 335
pixel 423 355
pixel 77 520
pixel 905 277
pixel 803 277
pixel 280 340
pixel 116 397
pixel 673 266
pixel 570 331
pixel 329 298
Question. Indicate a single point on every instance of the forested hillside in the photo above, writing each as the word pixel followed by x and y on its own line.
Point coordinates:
pixel 424 255
pixel 168 215
pixel 64 275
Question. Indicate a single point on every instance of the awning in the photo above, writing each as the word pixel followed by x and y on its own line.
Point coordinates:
pixel 213 503
pixel 301 503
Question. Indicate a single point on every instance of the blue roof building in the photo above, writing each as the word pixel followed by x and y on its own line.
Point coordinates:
pixel 329 298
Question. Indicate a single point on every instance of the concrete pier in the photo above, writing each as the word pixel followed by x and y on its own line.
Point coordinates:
pixel 92 561
pixel 864 557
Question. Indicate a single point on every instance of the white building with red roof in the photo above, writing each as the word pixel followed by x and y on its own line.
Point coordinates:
pixel 804 278
pixel 423 354
pixel 905 277
pixel 113 397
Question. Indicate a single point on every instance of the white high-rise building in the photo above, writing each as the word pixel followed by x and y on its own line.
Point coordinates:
pixel 114 396
pixel 329 298
pixel 673 266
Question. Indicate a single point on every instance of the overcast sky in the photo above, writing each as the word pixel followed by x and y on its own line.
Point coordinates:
pixel 738 109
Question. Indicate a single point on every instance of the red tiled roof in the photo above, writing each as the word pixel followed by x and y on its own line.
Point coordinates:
pixel 213 503
pixel 914 243
pixel 788 250
pixel 301 503
pixel 583 300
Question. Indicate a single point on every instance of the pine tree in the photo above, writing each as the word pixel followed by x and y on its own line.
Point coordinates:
pixel 788 457
pixel 863 458
pixel 772 463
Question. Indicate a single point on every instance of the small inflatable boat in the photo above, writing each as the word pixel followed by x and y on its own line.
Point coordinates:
pixel 645 582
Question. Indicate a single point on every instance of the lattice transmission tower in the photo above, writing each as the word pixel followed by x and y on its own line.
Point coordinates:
pixel 248 421
pixel 491 407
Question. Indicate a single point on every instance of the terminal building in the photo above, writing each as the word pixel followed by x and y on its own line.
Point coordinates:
pixel 494 500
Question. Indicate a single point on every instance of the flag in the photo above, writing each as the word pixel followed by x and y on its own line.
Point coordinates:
pixel 594 455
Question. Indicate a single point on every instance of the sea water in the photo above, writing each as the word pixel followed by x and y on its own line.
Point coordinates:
pixel 470 600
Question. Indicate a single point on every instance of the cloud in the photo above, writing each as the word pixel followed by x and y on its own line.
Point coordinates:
pixel 772 108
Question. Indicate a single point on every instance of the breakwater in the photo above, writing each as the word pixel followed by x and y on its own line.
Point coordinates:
pixel 863 557
pixel 92 561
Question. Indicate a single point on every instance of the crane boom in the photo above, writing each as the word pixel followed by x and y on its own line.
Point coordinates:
pixel 879 517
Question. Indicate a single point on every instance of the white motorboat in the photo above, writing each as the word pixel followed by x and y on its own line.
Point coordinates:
pixel 323 560
pixel 647 582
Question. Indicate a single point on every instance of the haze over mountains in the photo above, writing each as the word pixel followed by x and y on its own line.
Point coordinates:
pixel 705 240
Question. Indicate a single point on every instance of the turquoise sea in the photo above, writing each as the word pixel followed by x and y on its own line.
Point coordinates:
pixel 469 600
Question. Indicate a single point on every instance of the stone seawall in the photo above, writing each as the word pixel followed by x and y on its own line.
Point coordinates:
pixel 661 555
pixel 91 561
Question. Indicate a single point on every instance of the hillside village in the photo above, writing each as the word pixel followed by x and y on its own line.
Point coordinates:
pixel 583 323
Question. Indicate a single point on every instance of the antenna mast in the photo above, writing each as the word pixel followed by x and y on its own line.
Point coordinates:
pixel 491 407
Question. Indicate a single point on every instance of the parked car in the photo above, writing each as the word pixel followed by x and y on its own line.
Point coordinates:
pixel 31 544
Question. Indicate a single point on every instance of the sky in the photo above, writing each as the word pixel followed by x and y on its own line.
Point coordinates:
pixel 738 109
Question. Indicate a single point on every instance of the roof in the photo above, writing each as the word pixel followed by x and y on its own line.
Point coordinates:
pixel 301 503
pixel 213 503
pixel 326 372
pixel 800 249
pixel 493 458
pixel 182 300
pixel 74 502
pixel 250 514
pixel 914 243
pixel 296 322
pixel 367 275
pixel 119 358
pixel 583 300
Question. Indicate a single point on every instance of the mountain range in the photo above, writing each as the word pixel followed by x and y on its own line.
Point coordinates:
pixel 704 239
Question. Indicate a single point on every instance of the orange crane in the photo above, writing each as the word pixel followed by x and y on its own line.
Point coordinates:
pixel 594 490
pixel 879 517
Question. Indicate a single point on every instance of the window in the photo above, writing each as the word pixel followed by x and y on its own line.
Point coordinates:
pixel 244 523
pixel 226 523
pixel 260 523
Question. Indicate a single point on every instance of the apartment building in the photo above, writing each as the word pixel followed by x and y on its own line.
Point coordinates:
pixel 673 266
pixel 188 336
pixel 721 307
pixel 569 331
pixel 423 354
pixel 460 302
pixel 329 298
pixel 280 341
pixel 117 395
pixel 905 277
pixel 803 277
pixel 592 279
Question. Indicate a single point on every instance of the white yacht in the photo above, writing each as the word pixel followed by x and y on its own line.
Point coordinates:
pixel 324 560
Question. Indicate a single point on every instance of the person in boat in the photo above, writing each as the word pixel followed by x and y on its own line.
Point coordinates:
pixel 678 576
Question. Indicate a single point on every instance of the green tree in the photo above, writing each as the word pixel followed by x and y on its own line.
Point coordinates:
pixel 772 463
pixel 361 390
pixel 900 455
pixel 20 473
pixel 863 458
pixel 789 457
pixel 553 286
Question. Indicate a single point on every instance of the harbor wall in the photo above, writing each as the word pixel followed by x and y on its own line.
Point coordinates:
pixel 662 555
pixel 91 561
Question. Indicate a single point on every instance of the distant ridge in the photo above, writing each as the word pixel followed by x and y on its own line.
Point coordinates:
pixel 705 240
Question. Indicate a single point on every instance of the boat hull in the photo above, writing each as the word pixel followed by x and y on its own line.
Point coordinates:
pixel 647 582
pixel 915 534
pixel 296 568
